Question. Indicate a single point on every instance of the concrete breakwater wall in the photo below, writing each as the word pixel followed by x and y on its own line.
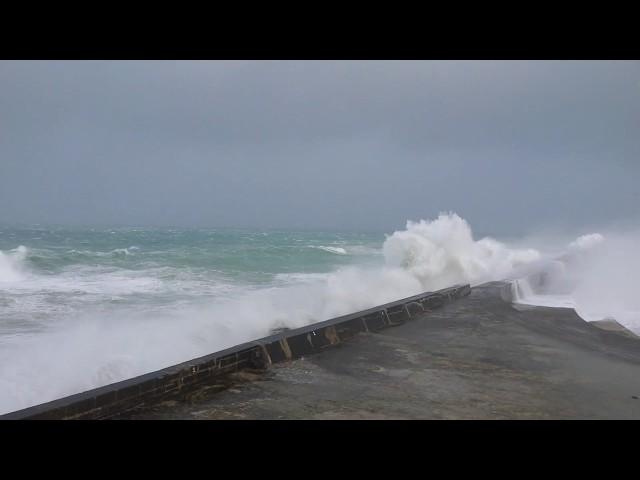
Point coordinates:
pixel 110 400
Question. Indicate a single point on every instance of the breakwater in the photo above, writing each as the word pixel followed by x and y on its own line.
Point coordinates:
pixel 110 400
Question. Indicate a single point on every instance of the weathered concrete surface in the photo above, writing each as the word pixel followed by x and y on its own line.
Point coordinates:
pixel 211 372
pixel 476 358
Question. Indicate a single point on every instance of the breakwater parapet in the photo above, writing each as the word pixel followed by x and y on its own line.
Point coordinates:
pixel 114 399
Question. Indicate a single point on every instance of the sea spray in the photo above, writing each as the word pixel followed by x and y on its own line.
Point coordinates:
pixel 443 252
pixel 597 276
pixel 11 264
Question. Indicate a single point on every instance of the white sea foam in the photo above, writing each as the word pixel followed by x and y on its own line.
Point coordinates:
pixel 116 252
pixel 298 278
pixel 336 250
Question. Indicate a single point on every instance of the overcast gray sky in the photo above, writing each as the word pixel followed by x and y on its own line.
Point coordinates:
pixel 343 145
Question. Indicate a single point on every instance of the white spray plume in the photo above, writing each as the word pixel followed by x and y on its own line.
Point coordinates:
pixel 11 264
pixel 586 242
pixel 442 252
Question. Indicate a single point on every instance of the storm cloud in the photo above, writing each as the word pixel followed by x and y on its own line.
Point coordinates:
pixel 510 146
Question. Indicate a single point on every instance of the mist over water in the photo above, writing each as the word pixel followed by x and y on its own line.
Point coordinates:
pixel 82 308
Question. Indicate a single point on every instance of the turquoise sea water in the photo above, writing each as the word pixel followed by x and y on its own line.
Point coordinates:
pixel 46 272
pixel 84 307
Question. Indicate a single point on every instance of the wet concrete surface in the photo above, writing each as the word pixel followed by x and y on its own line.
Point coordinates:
pixel 476 358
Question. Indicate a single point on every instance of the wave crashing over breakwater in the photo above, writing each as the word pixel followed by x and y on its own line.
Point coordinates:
pixel 80 310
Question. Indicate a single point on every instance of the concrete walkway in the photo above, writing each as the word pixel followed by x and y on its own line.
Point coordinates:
pixel 476 358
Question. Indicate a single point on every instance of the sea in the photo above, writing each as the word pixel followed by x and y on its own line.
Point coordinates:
pixel 83 307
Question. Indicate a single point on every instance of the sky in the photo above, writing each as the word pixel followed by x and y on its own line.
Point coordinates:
pixel 511 146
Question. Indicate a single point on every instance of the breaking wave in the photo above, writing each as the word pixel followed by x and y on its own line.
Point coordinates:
pixel 336 250
pixel 116 252
pixel 443 252
pixel 12 264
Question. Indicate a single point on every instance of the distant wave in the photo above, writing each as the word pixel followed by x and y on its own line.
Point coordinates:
pixel 117 252
pixel 335 250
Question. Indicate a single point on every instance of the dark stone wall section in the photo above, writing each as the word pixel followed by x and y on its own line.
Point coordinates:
pixel 110 400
